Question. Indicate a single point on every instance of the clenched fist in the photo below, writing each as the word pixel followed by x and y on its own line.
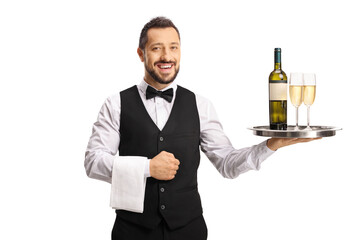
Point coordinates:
pixel 164 166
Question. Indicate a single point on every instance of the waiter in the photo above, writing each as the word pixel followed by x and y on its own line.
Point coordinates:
pixel 158 128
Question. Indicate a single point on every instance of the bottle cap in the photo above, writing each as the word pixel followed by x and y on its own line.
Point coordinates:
pixel 277 49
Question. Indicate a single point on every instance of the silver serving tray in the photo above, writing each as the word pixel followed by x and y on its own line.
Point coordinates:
pixel 317 131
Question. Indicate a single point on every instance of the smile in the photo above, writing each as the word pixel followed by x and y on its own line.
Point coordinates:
pixel 165 66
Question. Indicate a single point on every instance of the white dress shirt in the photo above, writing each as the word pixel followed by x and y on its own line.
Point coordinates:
pixel 128 173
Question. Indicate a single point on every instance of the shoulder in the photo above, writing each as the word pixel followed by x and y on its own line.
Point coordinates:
pixel 113 99
pixel 201 101
pixel 112 103
pixel 204 105
pixel 182 90
pixel 130 90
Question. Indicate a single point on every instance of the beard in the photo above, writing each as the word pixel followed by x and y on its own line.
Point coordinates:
pixel 157 77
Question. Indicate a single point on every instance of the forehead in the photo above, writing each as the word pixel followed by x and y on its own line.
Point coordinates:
pixel 162 35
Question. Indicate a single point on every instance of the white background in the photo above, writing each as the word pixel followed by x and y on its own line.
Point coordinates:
pixel 59 60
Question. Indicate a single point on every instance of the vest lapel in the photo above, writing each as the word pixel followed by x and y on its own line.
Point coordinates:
pixel 139 100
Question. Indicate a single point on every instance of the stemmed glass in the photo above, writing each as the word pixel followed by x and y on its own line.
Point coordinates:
pixel 296 93
pixel 309 94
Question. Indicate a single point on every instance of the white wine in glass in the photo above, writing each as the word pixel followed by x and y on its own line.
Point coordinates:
pixel 309 93
pixel 296 93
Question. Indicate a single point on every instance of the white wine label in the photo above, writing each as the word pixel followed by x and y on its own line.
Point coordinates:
pixel 278 91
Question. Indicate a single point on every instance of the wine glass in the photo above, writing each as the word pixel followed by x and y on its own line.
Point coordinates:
pixel 309 94
pixel 296 93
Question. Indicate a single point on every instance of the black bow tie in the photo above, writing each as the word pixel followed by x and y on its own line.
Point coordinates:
pixel 167 95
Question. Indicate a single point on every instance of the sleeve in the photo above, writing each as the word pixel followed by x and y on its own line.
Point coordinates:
pixel 127 174
pixel 230 162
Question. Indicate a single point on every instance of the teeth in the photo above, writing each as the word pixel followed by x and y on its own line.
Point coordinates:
pixel 165 66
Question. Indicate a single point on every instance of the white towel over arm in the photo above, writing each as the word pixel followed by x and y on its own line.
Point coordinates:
pixel 128 183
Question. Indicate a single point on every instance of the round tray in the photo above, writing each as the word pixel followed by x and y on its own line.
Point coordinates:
pixel 317 131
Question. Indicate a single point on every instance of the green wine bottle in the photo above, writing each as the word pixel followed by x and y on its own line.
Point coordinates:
pixel 278 95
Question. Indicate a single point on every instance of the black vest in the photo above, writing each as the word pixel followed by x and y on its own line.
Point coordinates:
pixel 176 201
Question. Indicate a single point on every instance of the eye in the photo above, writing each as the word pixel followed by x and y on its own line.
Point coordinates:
pixel 156 48
pixel 174 48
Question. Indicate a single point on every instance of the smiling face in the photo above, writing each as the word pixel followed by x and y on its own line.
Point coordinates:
pixel 161 56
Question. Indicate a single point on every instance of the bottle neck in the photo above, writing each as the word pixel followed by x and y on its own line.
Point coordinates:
pixel 277 60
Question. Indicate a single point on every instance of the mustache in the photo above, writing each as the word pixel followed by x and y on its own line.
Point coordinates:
pixel 165 62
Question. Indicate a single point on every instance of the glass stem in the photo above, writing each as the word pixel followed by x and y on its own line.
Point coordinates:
pixel 297 117
pixel 308 116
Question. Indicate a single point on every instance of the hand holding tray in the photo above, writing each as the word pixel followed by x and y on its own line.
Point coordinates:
pixel 315 132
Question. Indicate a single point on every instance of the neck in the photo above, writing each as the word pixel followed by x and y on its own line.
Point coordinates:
pixel 159 86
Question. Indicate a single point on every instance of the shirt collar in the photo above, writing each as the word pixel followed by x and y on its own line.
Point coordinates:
pixel 143 85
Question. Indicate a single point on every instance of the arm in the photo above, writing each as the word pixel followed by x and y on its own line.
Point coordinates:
pixel 126 173
pixel 103 146
pixel 230 162
pixel 104 141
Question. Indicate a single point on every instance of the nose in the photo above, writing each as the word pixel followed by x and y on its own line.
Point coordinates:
pixel 165 55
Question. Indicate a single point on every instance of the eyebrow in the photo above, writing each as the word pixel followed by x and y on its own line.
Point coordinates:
pixel 172 43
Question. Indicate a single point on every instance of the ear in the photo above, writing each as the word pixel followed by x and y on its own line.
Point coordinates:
pixel 141 54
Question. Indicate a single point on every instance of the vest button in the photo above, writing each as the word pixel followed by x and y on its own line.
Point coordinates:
pixel 161 139
pixel 162 207
pixel 162 189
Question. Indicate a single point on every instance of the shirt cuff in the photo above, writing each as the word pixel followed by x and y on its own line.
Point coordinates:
pixel 268 149
pixel 128 183
pixel 264 151
pixel 147 168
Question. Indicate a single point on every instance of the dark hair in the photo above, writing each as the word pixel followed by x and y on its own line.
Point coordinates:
pixel 158 22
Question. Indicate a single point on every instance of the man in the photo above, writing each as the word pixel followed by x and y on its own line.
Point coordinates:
pixel 158 127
